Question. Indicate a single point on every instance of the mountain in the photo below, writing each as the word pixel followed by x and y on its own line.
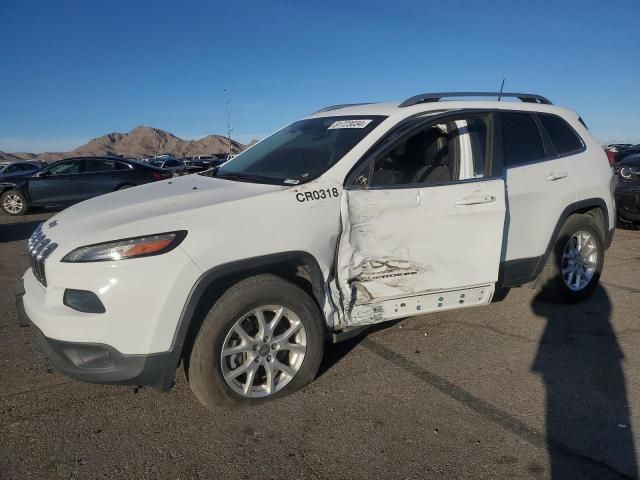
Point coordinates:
pixel 141 142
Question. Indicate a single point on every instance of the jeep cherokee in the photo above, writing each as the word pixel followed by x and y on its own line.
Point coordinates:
pixel 355 215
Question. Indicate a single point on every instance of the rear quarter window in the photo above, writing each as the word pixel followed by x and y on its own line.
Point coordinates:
pixel 564 138
pixel 521 140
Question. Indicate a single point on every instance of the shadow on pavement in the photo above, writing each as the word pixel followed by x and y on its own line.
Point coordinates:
pixel 587 409
pixel 333 353
pixel 14 232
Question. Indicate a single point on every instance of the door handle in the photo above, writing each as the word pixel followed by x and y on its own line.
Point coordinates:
pixel 476 200
pixel 553 176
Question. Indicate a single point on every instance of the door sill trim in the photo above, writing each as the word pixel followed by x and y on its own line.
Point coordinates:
pixel 392 309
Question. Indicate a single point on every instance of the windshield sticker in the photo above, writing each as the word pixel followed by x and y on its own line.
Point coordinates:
pixel 349 124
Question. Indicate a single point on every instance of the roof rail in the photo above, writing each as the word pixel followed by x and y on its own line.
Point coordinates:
pixel 435 97
pixel 339 106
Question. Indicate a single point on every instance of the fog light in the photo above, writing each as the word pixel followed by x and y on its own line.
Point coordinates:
pixel 88 356
pixel 83 301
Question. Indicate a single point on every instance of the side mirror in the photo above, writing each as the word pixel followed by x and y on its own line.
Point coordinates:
pixel 44 173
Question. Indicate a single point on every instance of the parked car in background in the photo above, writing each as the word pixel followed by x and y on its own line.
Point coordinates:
pixel 175 166
pixel 205 162
pixel 625 150
pixel 627 192
pixel 73 180
pixel 18 168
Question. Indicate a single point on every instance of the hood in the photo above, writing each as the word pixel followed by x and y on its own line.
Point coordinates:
pixel 151 208
pixel 631 160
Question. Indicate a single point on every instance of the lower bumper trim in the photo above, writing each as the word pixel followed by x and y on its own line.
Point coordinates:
pixel 100 363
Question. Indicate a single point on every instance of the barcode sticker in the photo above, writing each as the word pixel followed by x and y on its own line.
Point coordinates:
pixel 349 124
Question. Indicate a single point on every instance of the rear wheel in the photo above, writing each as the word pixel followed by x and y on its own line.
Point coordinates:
pixel 574 266
pixel 263 338
pixel 14 202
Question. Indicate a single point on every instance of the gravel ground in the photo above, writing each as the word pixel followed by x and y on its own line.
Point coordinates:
pixel 516 389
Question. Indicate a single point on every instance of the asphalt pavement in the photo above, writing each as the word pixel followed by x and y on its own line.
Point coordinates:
pixel 517 389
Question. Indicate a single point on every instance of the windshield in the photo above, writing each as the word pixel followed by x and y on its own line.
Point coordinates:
pixel 301 151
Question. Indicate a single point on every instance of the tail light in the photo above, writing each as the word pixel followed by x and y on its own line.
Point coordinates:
pixel 161 175
pixel 611 157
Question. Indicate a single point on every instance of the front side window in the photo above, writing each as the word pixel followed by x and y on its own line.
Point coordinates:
pixel 451 150
pixel 301 151
pixel 521 141
pixel 564 138
pixel 65 168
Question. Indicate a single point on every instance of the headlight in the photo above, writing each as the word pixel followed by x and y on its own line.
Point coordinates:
pixel 127 248
pixel 628 172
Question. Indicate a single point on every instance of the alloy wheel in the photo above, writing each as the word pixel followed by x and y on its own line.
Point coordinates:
pixel 12 203
pixel 263 351
pixel 579 260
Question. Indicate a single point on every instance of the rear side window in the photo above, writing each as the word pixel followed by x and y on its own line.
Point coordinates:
pixel 565 140
pixel 521 141
pixel 99 165
pixel 121 166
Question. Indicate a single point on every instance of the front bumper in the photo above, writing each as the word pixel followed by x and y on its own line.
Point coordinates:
pixel 100 363
pixel 628 203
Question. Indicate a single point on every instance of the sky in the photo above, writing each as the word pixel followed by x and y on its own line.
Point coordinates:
pixel 74 70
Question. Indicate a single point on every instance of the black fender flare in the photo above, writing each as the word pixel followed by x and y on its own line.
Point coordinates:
pixel 588 203
pixel 518 272
pixel 244 266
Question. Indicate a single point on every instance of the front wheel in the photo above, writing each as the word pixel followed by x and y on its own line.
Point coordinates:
pixel 263 338
pixel 575 264
pixel 14 202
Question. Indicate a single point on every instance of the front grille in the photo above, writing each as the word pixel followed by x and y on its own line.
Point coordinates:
pixel 40 247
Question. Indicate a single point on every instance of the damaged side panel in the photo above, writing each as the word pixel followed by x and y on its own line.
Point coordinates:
pixel 417 242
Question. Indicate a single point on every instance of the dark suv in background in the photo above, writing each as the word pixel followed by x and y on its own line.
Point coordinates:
pixel 627 191
pixel 72 180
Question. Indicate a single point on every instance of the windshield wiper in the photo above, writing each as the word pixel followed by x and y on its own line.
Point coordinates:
pixel 245 177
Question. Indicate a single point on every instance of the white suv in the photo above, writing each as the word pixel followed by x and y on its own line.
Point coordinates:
pixel 356 215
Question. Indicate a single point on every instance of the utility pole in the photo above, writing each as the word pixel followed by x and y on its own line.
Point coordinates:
pixel 226 92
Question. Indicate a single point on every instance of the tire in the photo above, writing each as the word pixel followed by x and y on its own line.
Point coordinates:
pixel 552 284
pixel 260 293
pixel 14 203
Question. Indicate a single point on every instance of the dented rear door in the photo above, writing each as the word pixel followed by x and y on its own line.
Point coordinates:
pixel 414 242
